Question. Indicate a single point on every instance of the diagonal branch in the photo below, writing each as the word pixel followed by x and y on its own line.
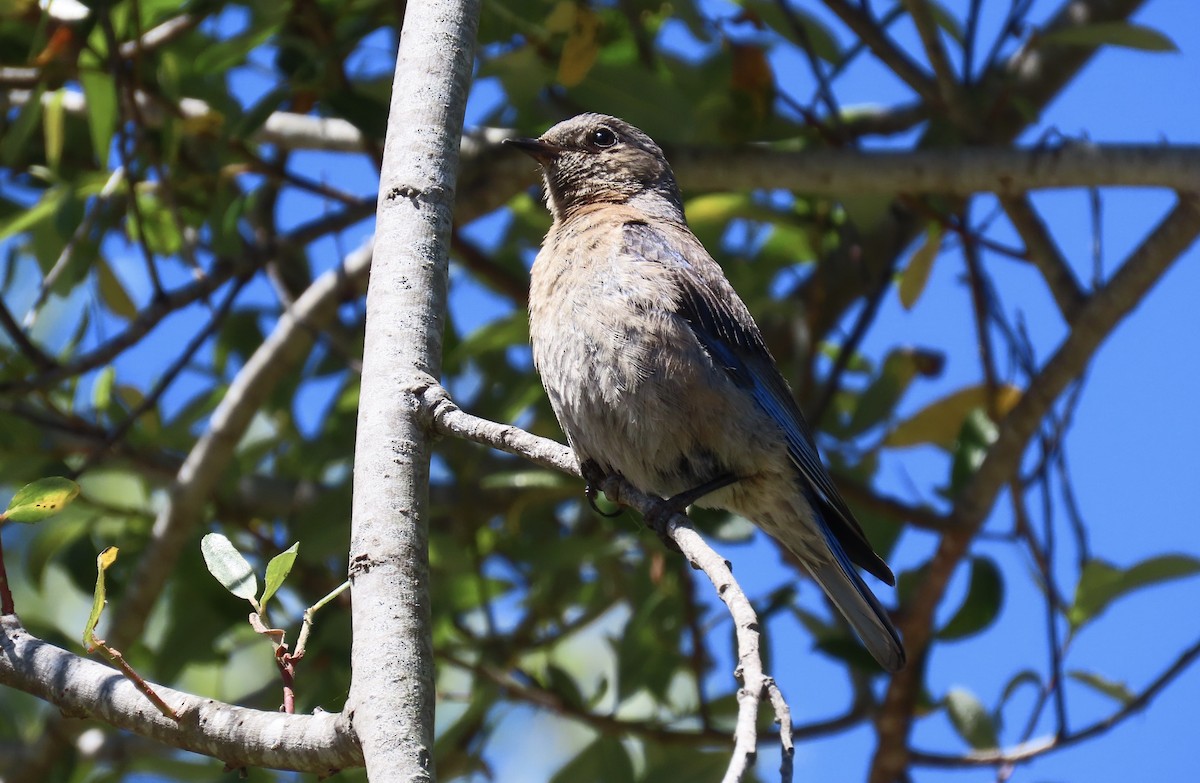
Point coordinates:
pixel 1106 309
pixel 22 341
pixel 240 737
pixel 446 417
pixel 198 476
pixel 1045 255
pixel 948 89
pixel 1030 750
pixel 147 318
pixel 871 34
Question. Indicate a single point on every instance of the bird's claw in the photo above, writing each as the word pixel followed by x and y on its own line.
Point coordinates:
pixel 590 492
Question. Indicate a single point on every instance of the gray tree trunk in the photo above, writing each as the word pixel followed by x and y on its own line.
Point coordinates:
pixel 392 691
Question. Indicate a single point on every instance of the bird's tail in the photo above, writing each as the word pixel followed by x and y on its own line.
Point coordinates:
pixel 849 593
pixel 862 610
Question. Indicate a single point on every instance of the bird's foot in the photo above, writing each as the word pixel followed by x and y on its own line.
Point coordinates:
pixel 594 477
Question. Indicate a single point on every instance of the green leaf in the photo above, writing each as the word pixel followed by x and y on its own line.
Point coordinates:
pixel 879 400
pixel 16 136
pixel 112 292
pixel 100 91
pixel 257 115
pixel 154 225
pixel 40 499
pixel 969 718
pixel 979 609
pixel 916 274
pixel 1101 583
pixel 1126 34
pixel 976 437
pixel 1114 690
pixel 46 208
pixel 102 388
pixel 605 759
pixel 103 561
pixel 53 125
pixel 277 571
pixel 228 566
pixel 940 422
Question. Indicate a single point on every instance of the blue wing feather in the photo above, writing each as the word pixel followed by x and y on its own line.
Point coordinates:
pixel 726 330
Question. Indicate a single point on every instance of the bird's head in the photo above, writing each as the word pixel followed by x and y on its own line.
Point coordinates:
pixel 596 159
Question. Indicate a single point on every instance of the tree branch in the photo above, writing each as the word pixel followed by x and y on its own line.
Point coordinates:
pixel 446 417
pixel 1030 750
pixel 870 33
pixel 240 737
pixel 1045 255
pixel 147 318
pixel 959 171
pixel 196 480
pixel 1095 322
pixel 947 84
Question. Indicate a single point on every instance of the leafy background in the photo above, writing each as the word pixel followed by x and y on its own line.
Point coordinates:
pixel 571 646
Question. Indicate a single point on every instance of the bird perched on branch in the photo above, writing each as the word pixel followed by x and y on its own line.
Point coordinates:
pixel 657 371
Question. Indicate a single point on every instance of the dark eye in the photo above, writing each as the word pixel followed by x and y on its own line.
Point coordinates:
pixel 603 138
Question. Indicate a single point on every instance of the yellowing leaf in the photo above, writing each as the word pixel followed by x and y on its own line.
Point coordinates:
pixel 112 292
pixel 580 50
pixel 53 122
pixel 103 561
pixel 40 499
pixel 940 422
pixel 916 274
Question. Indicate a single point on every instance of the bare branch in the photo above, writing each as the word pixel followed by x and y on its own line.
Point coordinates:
pixel 1044 253
pixel 321 743
pixel 194 484
pixel 1030 750
pixel 446 417
pixel 947 84
pixel 870 33
pixel 959 171
pixel 21 340
pixel 147 318
pixel 1095 322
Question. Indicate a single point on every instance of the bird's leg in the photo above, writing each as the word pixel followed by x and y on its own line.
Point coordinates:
pixel 686 498
pixel 678 503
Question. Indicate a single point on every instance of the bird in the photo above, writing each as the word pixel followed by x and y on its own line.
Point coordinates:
pixel 657 371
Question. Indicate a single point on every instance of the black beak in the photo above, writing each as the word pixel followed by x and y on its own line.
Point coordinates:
pixel 542 151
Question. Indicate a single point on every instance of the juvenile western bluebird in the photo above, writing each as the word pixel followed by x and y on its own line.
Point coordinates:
pixel 657 371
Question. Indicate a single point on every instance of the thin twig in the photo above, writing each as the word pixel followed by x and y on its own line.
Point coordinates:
pixel 1045 255
pixel 22 341
pixel 873 35
pixel 6 599
pixel 1031 750
pixel 114 655
pixel 150 400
